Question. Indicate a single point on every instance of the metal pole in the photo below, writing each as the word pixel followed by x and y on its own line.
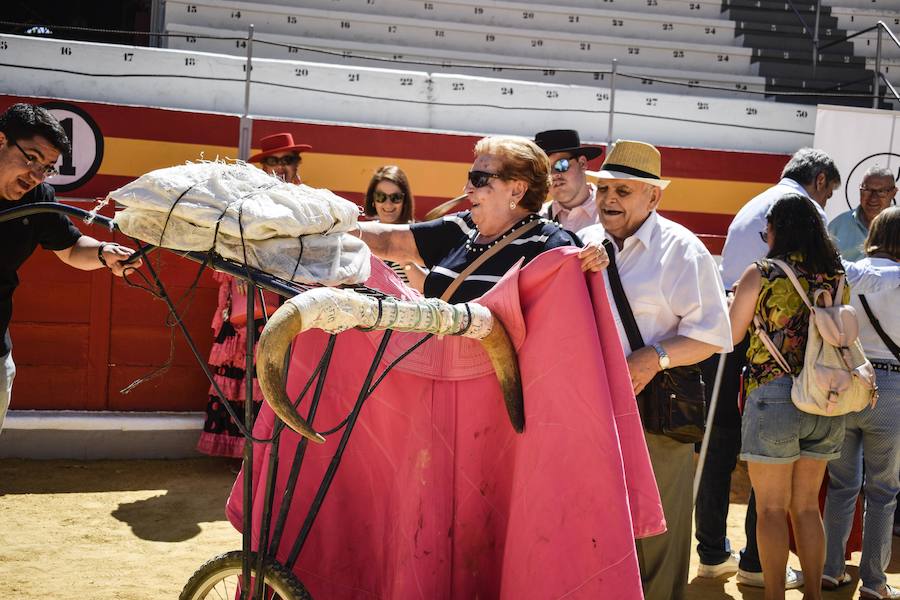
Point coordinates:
pixel 713 403
pixel 815 48
pixel 612 106
pixel 157 19
pixel 246 123
pixel 876 84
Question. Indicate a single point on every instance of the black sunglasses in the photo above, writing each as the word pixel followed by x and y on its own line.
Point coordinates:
pixel 395 198
pixel 287 161
pixel 480 179
pixel 564 164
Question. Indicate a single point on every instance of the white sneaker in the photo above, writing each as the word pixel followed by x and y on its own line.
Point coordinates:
pixel 885 593
pixel 792 579
pixel 724 569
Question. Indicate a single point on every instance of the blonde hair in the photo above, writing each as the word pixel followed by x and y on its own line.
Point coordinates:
pixel 523 160
pixel 884 233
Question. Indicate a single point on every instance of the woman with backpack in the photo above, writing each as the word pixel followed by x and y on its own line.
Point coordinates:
pixel 873 435
pixel 786 449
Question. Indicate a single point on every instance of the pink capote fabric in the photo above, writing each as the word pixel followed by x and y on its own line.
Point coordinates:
pixel 437 497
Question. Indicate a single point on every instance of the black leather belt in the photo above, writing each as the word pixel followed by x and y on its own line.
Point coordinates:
pixel 891 367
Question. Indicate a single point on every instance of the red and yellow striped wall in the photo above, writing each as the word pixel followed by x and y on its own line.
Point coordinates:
pixel 81 337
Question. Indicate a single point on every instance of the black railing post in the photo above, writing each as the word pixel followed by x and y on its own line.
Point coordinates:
pixel 815 41
pixel 876 84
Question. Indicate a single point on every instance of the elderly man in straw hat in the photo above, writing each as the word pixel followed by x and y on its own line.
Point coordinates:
pixel 671 283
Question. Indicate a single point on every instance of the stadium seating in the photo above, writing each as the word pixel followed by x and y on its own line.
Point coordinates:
pixel 396 98
pixel 761 41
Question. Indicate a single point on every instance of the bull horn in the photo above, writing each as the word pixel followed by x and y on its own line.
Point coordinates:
pixel 274 342
pixel 500 350
pixel 336 310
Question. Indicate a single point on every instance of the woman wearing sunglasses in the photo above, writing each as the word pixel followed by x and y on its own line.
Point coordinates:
pixel 390 201
pixel 506 187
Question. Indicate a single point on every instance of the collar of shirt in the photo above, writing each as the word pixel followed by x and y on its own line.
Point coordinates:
pixel 644 235
pixel 857 218
pixel 795 186
pixel 578 217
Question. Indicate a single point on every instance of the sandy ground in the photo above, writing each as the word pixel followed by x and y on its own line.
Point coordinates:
pixel 135 530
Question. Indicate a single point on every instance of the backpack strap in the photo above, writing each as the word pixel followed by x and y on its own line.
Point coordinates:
pixel 792 276
pixel 769 344
pixel 892 346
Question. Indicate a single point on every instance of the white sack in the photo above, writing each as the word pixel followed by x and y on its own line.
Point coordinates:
pixel 267 206
pixel 278 219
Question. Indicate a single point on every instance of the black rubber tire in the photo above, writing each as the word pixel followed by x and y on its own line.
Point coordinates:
pixel 278 578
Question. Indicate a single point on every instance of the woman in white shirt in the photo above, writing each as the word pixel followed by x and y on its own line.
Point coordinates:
pixel 872 435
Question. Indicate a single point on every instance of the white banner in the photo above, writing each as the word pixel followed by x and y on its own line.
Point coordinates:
pixel 856 138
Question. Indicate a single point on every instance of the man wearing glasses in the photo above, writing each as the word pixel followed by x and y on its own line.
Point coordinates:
pixel 31 140
pixel 280 156
pixel 849 229
pixel 572 198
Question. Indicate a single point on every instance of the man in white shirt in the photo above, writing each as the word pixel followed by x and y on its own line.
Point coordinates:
pixel 571 202
pixel 670 281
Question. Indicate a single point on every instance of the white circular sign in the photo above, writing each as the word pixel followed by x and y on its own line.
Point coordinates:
pixel 77 168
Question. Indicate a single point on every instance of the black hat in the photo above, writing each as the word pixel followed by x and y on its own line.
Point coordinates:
pixel 565 140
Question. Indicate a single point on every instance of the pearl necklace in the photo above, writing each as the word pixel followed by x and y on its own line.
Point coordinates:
pixel 471 246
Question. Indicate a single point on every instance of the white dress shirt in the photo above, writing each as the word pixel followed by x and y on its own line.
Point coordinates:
pixel 577 218
pixel 744 245
pixel 672 284
pixel 884 306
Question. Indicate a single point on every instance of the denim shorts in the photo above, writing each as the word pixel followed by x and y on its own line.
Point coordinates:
pixel 773 430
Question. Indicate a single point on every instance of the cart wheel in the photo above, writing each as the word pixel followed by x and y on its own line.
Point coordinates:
pixel 221 578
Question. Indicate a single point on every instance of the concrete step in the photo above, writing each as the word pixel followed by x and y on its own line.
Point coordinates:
pixel 798 68
pixel 792 43
pixel 780 17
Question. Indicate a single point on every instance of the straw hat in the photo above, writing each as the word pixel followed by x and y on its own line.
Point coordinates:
pixel 279 142
pixel 632 160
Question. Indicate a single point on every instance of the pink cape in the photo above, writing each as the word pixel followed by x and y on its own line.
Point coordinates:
pixel 437 497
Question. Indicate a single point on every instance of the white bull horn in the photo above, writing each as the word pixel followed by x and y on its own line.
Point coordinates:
pixel 335 310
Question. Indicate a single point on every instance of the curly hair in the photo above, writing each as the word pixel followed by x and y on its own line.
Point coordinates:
pixel 797 227
pixel 395 175
pixel 24 121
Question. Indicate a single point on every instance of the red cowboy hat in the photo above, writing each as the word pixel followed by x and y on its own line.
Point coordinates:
pixel 279 142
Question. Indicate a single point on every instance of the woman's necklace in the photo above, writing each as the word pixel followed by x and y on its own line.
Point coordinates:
pixel 471 246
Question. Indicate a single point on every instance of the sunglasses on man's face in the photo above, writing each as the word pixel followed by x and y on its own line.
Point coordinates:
pixel 285 161
pixel 564 164
pixel 480 179
pixel 395 198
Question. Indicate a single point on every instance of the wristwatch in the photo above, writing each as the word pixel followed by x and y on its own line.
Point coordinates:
pixel 663 357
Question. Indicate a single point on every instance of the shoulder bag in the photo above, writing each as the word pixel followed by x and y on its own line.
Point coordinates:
pixel 674 402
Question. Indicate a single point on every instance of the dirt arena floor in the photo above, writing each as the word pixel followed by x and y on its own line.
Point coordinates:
pixel 136 530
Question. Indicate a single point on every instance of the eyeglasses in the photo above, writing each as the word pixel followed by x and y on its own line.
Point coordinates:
pixel 480 179
pixel 880 192
pixel 564 164
pixel 38 168
pixel 286 161
pixel 395 198
pixel 764 236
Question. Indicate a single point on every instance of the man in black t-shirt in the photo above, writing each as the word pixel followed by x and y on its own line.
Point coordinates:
pixel 31 140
